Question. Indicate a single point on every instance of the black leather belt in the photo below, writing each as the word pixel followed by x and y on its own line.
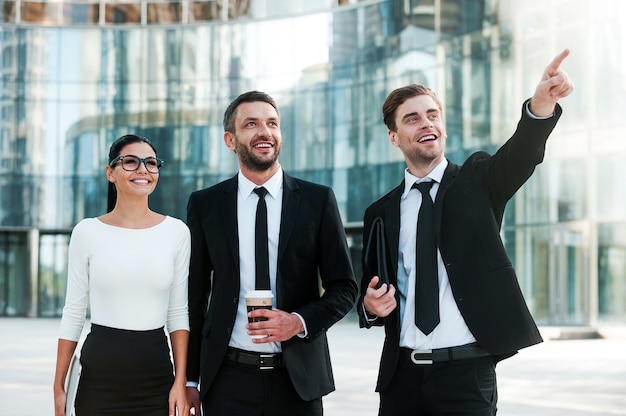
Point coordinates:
pixel 263 361
pixel 440 355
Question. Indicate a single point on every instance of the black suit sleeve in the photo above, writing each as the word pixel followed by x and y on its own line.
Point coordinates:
pixel 200 269
pixel 335 269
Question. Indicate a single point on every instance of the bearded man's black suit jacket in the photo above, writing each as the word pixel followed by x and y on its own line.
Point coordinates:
pixel 312 246
pixel 469 208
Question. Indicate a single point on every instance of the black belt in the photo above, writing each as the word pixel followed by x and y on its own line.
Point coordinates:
pixel 440 355
pixel 263 361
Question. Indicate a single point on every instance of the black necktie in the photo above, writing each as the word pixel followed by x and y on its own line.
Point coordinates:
pixel 260 242
pixel 427 285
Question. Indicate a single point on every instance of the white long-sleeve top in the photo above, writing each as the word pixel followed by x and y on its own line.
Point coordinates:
pixel 134 279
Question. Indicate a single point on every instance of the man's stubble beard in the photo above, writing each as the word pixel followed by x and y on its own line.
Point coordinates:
pixel 418 157
pixel 247 158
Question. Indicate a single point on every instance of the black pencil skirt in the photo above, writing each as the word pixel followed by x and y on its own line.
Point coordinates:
pixel 124 373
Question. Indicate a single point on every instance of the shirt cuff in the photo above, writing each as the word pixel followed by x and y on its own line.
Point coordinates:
pixel 192 384
pixel 368 317
pixel 531 115
pixel 306 331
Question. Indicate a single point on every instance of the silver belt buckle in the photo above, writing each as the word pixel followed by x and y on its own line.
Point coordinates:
pixel 262 365
pixel 415 353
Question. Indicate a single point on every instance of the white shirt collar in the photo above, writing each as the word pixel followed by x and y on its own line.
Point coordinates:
pixel 273 184
pixel 435 175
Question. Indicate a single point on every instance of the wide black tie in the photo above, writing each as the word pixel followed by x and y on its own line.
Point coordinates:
pixel 427 285
pixel 260 242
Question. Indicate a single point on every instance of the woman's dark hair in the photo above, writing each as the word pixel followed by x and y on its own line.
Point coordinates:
pixel 114 151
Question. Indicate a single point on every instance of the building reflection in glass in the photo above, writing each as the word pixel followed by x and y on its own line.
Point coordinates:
pixel 76 75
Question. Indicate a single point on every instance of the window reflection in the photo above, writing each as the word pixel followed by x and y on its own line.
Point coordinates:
pixel 81 13
pixel 52 273
pixel 346 2
pixel 611 266
pixel 201 11
pixel 571 204
pixel 123 13
pixel 8 11
pixel 608 197
pixel 238 8
pixel 13 273
pixel 212 10
pixel 164 13
pixel 330 72
pixel 41 13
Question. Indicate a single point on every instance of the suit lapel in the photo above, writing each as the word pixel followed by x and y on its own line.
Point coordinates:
pixel 447 180
pixel 392 226
pixel 291 201
pixel 228 213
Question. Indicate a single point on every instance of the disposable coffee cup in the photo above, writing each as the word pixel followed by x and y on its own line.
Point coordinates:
pixel 258 299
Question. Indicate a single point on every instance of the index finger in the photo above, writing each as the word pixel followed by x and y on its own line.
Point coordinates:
pixel 556 62
pixel 374 282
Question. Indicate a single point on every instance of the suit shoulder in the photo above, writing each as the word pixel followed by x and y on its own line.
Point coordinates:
pixel 308 186
pixel 376 208
pixel 218 187
pixel 384 198
pixel 476 157
pixel 475 161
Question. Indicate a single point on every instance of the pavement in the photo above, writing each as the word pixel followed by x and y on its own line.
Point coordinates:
pixel 559 377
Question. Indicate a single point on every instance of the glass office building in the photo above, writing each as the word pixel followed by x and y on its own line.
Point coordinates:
pixel 75 75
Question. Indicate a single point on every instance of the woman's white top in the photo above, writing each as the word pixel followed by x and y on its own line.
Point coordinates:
pixel 134 279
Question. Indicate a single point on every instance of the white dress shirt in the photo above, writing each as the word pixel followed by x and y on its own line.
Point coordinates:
pixel 246 215
pixel 452 329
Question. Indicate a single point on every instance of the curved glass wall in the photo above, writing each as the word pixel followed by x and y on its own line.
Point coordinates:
pixel 77 75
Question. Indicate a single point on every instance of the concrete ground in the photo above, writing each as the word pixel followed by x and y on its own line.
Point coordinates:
pixel 556 378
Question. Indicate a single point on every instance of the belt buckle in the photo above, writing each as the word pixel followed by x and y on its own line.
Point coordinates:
pixel 262 364
pixel 417 361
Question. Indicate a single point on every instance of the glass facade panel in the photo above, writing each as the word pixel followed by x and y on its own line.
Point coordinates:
pixel 552 264
pixel 122 13
pixel 8 11
pixel 238 9
pixel 259 9
pixel 611 266
pixel 572 186
pixel 52 273
pixel 529 250
pixel 14 282
pixel 607 67
pixel 73 80
pixel 81 13
pixel 41 12
pixel 203 11
pixel 164 13
pixel 609 198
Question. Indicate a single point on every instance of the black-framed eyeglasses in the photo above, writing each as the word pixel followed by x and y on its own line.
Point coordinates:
pixel 131 163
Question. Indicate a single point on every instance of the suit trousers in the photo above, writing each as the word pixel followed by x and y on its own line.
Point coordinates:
pixel 244 390
pixel 454 388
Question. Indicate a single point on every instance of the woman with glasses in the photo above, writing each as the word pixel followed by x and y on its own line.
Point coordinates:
pixel 130 267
